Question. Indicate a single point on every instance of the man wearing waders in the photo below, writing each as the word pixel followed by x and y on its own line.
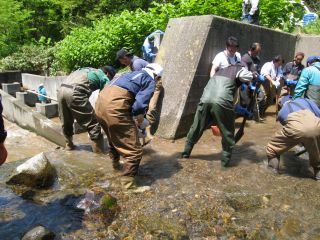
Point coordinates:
pixel 73 100
pixel 120 109
pixel 250 11
pixel 216 107
pixel 301 124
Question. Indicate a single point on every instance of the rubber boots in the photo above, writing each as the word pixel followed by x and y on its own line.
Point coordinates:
pixel 69 144
pixel 187 150
pixel 128 182
pixel 98 145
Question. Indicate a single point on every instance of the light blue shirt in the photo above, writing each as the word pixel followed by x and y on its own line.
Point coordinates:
pixel 309 76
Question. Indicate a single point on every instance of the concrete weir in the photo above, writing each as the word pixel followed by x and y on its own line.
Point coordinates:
pixel 16 111
pixel 186 53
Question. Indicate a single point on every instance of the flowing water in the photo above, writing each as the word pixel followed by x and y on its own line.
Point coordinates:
pixel 189 198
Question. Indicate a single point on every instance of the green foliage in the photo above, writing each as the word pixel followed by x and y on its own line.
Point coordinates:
pixel 97 45
pixel 312 28
pixel 35 58
pixel 12 26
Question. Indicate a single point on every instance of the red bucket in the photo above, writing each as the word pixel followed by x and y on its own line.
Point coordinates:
pixel 215 130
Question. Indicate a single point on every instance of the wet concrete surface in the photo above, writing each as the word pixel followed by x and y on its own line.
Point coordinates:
pixel 189 198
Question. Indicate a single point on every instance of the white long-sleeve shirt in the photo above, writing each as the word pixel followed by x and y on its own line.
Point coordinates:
pixel 254 5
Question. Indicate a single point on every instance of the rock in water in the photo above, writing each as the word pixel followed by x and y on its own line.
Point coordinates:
pixel 35 172
pixel 39 233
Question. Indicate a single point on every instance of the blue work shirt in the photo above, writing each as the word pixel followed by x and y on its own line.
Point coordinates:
pixel 297 105
pixel 42 91
pixel 141 85
pixel 309 76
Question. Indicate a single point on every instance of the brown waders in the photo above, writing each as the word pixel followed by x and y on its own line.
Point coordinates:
pixel 301 127
pixel 73 100
pixel 113 110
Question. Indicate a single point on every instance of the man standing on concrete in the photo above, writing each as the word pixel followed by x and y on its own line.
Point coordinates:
pixel 301 124
pixel 228 57
pixel 216 107
pixel 42 94
pixel 128 59
pixel 309 82
pixel 272 73
pixel 252 61
pixel 150 48
pixel 250 11
pixel 73 99
pixel 120 109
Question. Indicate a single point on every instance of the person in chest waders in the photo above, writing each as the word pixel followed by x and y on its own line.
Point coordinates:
pixel 216 107
pixel 120 110
pixel 73 100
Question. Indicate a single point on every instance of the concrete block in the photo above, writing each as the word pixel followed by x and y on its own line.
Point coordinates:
pixel 198 40
pixel 11 88
pixel 18 112
pixel 49 110
pixel 27 98
pixel 10 77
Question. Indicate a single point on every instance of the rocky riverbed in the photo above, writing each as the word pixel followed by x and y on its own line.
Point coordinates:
pixel 189 198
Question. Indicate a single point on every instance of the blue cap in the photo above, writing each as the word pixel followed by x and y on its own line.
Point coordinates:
pixel 312 59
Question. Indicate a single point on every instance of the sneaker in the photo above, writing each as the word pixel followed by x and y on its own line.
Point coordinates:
pixel 317 174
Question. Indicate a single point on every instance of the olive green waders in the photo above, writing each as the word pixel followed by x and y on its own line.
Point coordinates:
pixel 216 107
pixel 73 100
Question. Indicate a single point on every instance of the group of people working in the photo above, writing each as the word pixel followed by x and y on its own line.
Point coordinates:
pixel 299 114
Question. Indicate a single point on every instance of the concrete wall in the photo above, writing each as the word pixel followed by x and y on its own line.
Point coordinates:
pixel 186 53
pixel 15 111
pixel 10 77
pixel 309 44
pixel 51 84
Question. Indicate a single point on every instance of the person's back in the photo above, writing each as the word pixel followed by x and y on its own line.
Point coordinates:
pixel 309 83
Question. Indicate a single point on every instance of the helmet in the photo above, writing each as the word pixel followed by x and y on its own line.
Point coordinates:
pixel 155 69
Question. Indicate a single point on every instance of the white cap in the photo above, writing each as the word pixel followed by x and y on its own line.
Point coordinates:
pixel 244 75
pixel 154 69
pixel 41 85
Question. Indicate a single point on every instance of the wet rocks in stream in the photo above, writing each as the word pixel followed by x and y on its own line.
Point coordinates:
pixel 36 172
pixel 39 233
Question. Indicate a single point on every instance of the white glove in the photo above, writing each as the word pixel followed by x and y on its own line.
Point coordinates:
pixel 276 83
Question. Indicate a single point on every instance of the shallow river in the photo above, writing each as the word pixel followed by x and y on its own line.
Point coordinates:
pixel 189 198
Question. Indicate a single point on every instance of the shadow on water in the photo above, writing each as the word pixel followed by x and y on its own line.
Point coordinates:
pixel 17 216
pixel 158 166
pixel 242 152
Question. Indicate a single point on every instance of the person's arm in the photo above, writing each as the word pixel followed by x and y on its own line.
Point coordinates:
pixel 3 135
pixel 214 69
pixel 254 7
pixel 302 84
pixel 143 97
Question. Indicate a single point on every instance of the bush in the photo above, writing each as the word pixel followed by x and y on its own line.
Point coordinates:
pixel 312 28
pixel 97 45
pixel 30 58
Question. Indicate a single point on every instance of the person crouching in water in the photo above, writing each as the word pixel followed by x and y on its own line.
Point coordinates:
pixel 120 110
pixel 73 100
pixel 216 107
pixel 301 124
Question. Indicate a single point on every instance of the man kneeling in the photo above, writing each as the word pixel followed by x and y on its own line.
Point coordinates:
pixel 301 124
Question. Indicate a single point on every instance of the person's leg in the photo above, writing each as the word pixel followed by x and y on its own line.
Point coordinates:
pixel 84 113
pixel 114 107
pixel 201 121
pixel 66 117
pixel 225 118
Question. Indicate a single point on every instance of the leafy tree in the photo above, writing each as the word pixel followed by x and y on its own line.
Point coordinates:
pixel 13 26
